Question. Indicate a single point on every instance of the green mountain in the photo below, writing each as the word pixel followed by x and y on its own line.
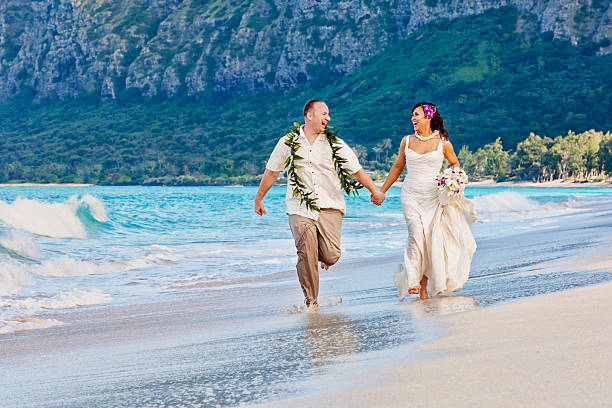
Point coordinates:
pixel 493 75
pixel 165 48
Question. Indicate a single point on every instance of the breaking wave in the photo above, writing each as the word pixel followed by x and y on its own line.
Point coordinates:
pixel 56 220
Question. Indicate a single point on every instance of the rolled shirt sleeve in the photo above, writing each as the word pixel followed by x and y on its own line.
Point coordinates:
pixel 279 155
pixel 352 163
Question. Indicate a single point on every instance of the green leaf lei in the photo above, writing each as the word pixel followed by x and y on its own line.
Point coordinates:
pixel 347 181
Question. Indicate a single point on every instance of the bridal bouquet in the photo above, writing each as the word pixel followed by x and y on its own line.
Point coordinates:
pixel 451 183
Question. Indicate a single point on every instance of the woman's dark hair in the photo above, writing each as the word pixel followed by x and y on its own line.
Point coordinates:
pixel 437 123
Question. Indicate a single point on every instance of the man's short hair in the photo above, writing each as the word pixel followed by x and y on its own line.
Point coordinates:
pixel 309 105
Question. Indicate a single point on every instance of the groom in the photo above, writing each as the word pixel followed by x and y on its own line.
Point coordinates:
pixel 316 231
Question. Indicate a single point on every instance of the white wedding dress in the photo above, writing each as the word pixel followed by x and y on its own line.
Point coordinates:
pixel 440 244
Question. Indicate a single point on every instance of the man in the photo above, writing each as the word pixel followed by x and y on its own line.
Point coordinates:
pixel 316 230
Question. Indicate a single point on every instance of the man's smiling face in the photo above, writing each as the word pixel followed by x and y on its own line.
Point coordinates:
pixel 319 116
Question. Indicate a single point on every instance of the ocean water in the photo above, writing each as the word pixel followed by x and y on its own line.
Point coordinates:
pixel 66 248
pixel 183 296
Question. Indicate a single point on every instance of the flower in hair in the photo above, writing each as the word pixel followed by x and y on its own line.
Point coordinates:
pixel 429 110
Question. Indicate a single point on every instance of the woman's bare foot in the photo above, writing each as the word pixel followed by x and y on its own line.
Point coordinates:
pixel 413 291
pixel 423 293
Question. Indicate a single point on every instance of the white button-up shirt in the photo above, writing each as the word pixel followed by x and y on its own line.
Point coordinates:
pixel 317 173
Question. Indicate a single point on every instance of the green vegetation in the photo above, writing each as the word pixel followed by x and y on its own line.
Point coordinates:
pixel 586 156
pixel 495 79
pixel 581 157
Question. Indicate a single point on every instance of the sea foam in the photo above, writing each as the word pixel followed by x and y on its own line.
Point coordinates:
pixel 30 323
pixel 509 206
pixel 21 243
pixel 13 278
pixel 64 300
pixel 94 205
pixel 56 220
pixel 504 202
pixel 65 266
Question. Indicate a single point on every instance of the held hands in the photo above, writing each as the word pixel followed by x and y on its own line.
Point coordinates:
pixel 377 197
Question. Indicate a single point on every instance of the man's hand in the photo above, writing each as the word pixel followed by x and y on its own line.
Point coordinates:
pixel 268 179
pixel 377 197
pixel 259 207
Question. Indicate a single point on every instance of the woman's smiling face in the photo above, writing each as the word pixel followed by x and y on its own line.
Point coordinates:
pixel 419 120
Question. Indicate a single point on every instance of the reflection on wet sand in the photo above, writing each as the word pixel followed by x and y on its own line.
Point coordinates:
pixel 442 305
pixel 329 336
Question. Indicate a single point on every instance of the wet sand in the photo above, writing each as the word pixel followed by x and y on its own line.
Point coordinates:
pixel 548 350
pixel 236 346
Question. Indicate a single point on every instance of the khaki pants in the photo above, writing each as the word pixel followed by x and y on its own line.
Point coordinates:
pixel 315 241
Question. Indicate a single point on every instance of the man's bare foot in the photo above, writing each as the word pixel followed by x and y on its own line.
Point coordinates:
pixel 413 291
pixel 311 306
pixel 324 266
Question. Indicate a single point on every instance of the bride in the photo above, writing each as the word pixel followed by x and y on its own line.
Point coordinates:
pixel 440 244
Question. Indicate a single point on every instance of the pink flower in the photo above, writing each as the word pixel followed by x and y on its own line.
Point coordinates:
pixel 429 110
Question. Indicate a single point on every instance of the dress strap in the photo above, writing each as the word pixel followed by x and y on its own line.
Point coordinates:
pixel 440 144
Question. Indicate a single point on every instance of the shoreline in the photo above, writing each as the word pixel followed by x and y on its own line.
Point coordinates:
pixel 554 183
pixel 482 183
pixel 46 185
pixel 387 377
pixel 547 350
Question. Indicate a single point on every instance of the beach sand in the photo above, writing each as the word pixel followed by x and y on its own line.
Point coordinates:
pixel 549 350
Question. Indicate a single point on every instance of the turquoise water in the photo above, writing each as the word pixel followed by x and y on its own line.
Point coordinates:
pixel 72 247
pixel 185 297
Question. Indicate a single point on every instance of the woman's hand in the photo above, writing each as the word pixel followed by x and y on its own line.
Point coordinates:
pixel 377 197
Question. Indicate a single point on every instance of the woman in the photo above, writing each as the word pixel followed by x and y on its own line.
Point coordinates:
pixel 440 244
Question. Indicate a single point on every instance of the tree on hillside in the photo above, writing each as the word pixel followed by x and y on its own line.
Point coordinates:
pixel 386 146
pixel 605 153
pixel 558 157
pixel 527 161
pixel 590 141
pixel 474 163
pixel 466 160
pixel 497 160
pixel 576 155
pixel 377 149
pixel 361 152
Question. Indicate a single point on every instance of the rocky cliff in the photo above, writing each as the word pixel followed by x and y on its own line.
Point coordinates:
pixel 161 48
